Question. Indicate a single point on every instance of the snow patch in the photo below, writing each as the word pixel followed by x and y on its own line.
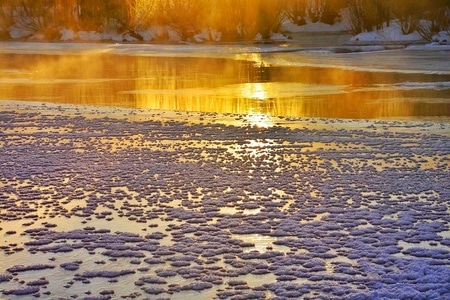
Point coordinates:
pixel 441 38
pixel 278 37
pixel 24 268
pixel 147 35
pixel 67 34
pixel 37 37
pixel 22 291
pixel 208 34
pixel 19 33
pixel 388 34
pixel 106 274
pixel 90 35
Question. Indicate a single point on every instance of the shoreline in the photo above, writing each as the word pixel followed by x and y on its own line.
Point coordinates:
pixel 431 125
pixel 80 47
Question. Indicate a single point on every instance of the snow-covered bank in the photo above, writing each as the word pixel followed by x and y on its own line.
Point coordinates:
pixel 393 35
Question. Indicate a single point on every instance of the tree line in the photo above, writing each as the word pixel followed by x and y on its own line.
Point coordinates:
pixel 236 20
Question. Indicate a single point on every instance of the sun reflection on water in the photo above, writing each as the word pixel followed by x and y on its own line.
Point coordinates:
pixel 258 119
pixel 218 85
pixel 255 91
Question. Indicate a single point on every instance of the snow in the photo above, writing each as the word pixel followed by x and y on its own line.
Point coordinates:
pixel 172 34
pixel 208 35
pixel 22 291
pixel 392 33
pixel 380 258
pixel 375 249
pixel 389 34
pixel 24 268
pixel 441 38
pixel 278 37
pixel 147 35
pixel 106 274
pixel 67 35
pixel 18 33
pixel 90 35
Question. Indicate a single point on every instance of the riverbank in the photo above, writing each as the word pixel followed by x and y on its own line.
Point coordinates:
pixel 114 202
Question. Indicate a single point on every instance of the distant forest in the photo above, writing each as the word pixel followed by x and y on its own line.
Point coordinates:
pixel 236 20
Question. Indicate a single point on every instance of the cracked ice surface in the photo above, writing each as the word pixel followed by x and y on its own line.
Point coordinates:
pixel 113 207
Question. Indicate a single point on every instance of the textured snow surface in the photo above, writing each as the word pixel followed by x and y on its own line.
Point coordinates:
pixel 101 207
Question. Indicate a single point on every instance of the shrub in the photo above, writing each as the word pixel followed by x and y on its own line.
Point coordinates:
pixel 237 20
pixel 184 16
pixel 325 11
pixel 6 18
pixel 437 18
pixel 296 11
pixel 408 14
pixel 37 17
pixel 367 15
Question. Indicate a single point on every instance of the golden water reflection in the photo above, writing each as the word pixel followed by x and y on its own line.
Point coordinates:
pixel 246 86
pixel 262 120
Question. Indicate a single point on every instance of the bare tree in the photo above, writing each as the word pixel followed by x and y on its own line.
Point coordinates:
pixel 228 19
pixel 6 17
pixel 250 17
pixel 140 13
pixel 368 15
pixel 235 19
pixel 326 11
pixel 437 16
pixel 92 14
pixel 315 9
pixel 183 16
pixel 33 16
pixel 271 15
pixel 296 11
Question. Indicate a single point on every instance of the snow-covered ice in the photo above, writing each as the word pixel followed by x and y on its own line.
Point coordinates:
pixel 342 208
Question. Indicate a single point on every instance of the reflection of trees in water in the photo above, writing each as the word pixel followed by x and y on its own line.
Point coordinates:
pixel 258 73
pixel 264 74
pixel 217 85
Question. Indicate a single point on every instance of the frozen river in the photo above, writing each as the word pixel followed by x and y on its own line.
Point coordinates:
pixel 162 172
